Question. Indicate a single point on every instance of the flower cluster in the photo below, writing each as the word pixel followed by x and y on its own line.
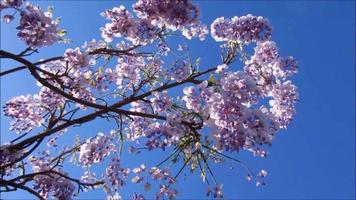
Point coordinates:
pixel 172 14
pixel 237 125
pixel 158 134
pixel 228 105
pixel 165 189
pixel 123 25
pixel 25 112
pixel 161 101
pixel 181 70
pixel 154 16
pixel 128 71
pixel 162 135
pixel 265 53
pixel 192 98
pixel 115 176
pixel 49 99
pixel 197 30
pixel 284 96
pixel 245 29
pixel 270 72
pixel 37 28
pixel 76 58
pixel 138 126
pixel 73 73
pixel 49 183
pixel 94 150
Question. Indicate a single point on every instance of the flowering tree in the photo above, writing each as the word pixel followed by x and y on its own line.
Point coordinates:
pixel 132 78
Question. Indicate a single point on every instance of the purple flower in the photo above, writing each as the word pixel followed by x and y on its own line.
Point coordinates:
pixel 121 23
pixel 285 96
pixel 76 58
pixel 220 29
pixel 161 101
pixel 10 4
pixel 50 99
pixel 245 29
pixel 196 30
pixel 25 112
pixel 7 18
pixel 51 183
pixel 36 28
pixel 94 150
pixel 180 71
pixel 265 52
pixel 115 175
pixel 173 14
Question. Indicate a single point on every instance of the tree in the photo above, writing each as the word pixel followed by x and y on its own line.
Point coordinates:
pixel 134 79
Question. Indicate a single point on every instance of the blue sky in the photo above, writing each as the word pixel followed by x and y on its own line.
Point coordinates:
pixel 313 159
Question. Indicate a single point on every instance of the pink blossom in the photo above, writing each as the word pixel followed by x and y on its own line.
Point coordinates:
pixel 36 28
pixel 94 150
pixel 246 29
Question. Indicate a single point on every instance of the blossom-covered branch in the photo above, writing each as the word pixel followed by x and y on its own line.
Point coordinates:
pixel 156 95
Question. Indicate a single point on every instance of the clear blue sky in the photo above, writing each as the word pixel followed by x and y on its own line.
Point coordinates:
pixel 313 159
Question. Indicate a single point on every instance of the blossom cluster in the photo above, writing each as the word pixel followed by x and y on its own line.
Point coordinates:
pixel 94 150
pixel 181 70
pixel 74 75
pixel 164 176
pixel 138 126
pixel 37 28
pixel 124 25
pixel 115 175
pixel 234 122
pixel 50 183
pixel 153 16
pixel 158 134
pixel 162 135
pixel 27 111
pixel 129 71
pixel 271 73
pixel 76 58
pixel 174 14
pixel 156 174
pixel 243 29
pixel 229 104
